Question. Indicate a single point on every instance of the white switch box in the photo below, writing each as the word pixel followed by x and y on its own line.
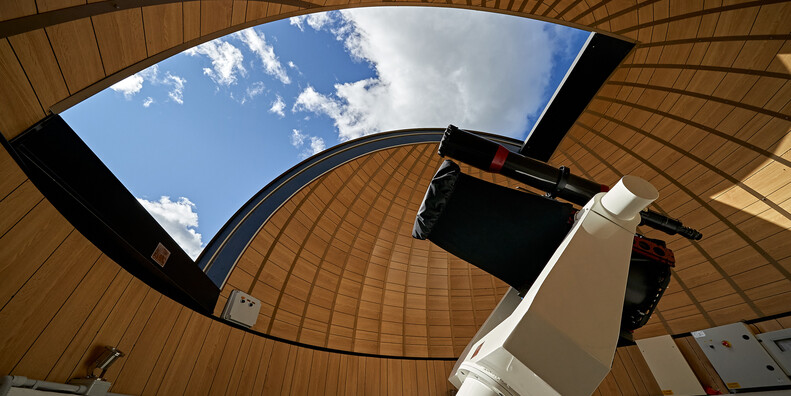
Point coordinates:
pixel 739 358
pixel 778 344
pixel 241 308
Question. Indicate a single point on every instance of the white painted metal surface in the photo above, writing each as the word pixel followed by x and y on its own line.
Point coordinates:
pixel 242 308
pixel 739 359
pixel 670 369
pixel 778 344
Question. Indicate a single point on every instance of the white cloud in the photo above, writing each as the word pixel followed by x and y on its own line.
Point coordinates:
pixel 292 65
pixel 257 44
pixel 151 73
pixel 226 61
pixel 134 84
pixel 297 138
pixel 298 21
pixel 315 146
pixel 428 76
pixel 129 86
pixel 255 89
pixel 277 106
pixel 316 21
pixel 179 220
pixel 177 87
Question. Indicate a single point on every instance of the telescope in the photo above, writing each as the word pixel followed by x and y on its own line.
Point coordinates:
pixel 581 280
pixel 489 156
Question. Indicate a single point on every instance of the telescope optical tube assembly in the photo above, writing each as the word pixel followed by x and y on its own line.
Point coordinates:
pixel 487 155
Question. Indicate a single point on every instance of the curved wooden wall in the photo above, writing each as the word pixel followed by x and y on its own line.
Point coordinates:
pixel 62 301
pixel 336 266
pixel 701 108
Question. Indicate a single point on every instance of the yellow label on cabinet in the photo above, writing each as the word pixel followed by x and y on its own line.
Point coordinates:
pixel 667 392
pixel 733 385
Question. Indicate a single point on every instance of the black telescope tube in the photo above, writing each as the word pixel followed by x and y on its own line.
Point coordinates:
pixel 487 155
pixel 668 225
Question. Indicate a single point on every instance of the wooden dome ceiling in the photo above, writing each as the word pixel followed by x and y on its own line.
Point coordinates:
pixel 336 265
pixel 701 108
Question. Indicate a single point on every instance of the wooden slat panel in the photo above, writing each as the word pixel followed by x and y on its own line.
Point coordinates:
pixel 19 107
pixel 16 9
pixel 49 5
pixel 164 27
pixel 140 365
pixel 11 176
pixel 52 342
pixel 215 15
pixel 27 245
pixel 74 44
pixel 191 15
pixel 121 39
pixel 17 204
pixel 36 56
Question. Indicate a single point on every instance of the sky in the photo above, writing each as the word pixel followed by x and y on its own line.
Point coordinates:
pixel 197 135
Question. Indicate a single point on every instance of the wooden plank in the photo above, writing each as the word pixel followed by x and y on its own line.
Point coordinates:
pixel 207 362
pixel 164 27
pixel 178 372
pixel 49 346
pixel 81 341
pixel 242 357
pixel 50 5
pixel 17 204
pixel 165 357
pixel 352 375
pixel 263 368
pixel 227 363
pixel 111 330
pixel 191 19
pixel 276 372
pixel 299 383
pixel 395 384
pixel 361 362
pixel 11 176
pixel 239 12
pixel 19 107
pixel 250 366
pixel 318 373
pixel 74 44
pixel 16 9
pixel 23 252
pixel 621 376
pixel 36 56
pixel 333 374
pixel 140 360
pixel 215 15
pixel 288 375
pixel 132 332
pixel 121 39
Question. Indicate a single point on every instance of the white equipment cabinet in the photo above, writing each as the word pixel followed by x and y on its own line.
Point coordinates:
pixel 778 344
pixel 739 358
pixel 241 308
pixel 670 369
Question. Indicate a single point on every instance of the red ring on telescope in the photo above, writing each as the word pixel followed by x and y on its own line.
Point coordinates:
pixel 499 159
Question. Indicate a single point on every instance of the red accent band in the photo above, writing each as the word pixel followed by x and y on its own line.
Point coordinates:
pixel 499 159
pixel 604 188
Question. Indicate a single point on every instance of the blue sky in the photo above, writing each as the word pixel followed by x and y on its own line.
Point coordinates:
pixel 197 135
